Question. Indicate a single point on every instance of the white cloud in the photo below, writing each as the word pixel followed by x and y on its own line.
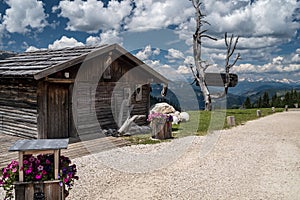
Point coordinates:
pixel 31 48
pixel 189 60
pixel 93 41
pixel 64 42
pixel 24 15
pixel 107 37
pixel 174 54
pixel 91 15
pixel 296 56
pixel 110 37
pixel 153 14
pixel 183 70
pixel 147 52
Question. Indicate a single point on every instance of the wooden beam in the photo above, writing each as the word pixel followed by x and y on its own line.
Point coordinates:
pixel 59 80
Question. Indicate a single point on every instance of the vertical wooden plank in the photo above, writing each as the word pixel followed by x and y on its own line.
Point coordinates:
pixel 19 191
pixel 58 111
pixel 56 163
pixel 42 91
pixel 21 171
pixel 29 191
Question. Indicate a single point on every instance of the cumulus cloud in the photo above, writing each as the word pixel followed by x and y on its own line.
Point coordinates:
pixel 296 57
pixel 31 48
pixel 64 42
pixel 91 15
pixel 152 14
pixel 174 54
pixel 260 26
pixel 183 70
pixel 107 37
pixel 147 52
pixel 93 41
pixel 110 37
pixel 24 15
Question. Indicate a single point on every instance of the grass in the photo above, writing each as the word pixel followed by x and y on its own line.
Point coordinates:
pixel 202 122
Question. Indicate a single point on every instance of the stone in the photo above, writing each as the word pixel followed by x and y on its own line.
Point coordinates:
pixel 184 116
pixel 164 108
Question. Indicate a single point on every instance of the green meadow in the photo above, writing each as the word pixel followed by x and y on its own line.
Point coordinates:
pixel 202 122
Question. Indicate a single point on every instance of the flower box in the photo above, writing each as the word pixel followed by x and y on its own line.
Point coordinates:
pixel 39 190
pixel 41 173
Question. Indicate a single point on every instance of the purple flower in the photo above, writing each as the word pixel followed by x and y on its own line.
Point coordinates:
pixel 25 162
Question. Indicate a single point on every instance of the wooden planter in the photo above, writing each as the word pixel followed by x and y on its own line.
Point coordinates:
pixel 50 190
pixel 161 130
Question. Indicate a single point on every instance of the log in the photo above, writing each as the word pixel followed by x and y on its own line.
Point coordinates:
pixel 126 125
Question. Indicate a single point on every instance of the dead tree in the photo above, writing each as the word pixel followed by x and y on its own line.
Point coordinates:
pixel 229 53
pixel 202 65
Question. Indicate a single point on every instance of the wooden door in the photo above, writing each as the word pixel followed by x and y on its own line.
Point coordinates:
pixel 58 111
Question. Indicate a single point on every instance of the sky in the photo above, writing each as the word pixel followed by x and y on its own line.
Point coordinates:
pixel 159 32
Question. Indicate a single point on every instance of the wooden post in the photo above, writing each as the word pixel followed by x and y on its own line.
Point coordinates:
pixel 21 172
pixel 230 120
pixel 273 109
pixel 258 113
pixel 56 163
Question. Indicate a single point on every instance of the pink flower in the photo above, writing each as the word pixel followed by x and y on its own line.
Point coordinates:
pixel 40 168
pixel 44 172
pixel 48 162
pixel 28 171
pixel 31 159
pixel 25 162
pixel 37 162
pixel 38 176
pixel 66 180
pixel 14 170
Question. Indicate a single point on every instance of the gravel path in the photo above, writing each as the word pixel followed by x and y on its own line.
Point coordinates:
pixel 258 160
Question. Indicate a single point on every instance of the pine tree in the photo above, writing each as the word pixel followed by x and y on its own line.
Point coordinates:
pixel 274 101
pixel 266 100
pixel 247 104
pixel 259 103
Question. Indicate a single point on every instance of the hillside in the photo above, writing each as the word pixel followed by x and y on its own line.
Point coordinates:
pixel 178 95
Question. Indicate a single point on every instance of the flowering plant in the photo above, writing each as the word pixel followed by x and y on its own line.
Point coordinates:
pixel 160 117
pixel 39 168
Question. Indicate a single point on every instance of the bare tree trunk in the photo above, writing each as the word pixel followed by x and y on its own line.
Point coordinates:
pixel 201 66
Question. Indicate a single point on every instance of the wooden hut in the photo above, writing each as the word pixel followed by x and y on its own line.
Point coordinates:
pixel 73 91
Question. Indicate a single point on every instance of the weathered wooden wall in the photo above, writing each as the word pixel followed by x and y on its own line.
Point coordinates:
pixel 18 107
pixel 98 100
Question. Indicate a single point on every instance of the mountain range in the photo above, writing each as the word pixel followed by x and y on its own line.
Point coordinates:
pixel 235 97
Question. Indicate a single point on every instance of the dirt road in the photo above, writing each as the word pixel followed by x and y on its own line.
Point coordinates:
pixel 258 160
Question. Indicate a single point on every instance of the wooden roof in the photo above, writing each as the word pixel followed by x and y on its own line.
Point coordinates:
pixel 41 63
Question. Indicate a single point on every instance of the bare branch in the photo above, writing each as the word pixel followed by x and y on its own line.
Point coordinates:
pixel 236 59
pixel 207 36
pixel 226 39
